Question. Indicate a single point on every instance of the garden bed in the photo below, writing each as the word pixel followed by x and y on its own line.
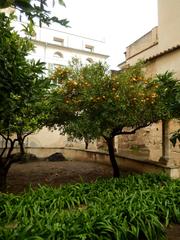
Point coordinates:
pixel 88 203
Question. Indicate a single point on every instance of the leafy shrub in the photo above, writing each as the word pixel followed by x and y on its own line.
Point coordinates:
pixel 56 157
pixel 23 158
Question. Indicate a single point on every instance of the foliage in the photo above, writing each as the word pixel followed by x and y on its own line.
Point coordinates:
pixel 22 84
pixel 35 9
pixel 27 112
pixel 13 53
pixel 135 207
pixel 23 93
pixel 169 95
pixel 61 113
pixel 175 137
pixel 169 99
pixel 110 101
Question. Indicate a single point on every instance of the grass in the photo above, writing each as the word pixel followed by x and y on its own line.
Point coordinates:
pixel 129 208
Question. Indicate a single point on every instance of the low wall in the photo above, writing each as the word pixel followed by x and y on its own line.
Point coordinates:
pixel 125 163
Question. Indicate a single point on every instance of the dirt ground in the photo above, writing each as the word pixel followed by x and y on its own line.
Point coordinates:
pixel 58 173
pixel 21 175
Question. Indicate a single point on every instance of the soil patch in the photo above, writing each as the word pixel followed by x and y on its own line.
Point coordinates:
pixel 173 232
pixel 21 175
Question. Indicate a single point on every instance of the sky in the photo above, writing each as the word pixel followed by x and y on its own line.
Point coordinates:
pixel 118 22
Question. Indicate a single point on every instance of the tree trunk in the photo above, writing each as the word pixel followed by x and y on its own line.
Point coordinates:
pixel 11 148
pixel 110 143
pixel 5 164
pixel 3 176
pixel 86 144
pixel 21 145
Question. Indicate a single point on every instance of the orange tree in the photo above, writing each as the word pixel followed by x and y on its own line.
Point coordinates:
pixel 23 93
pixel 169 95
pixel 98 103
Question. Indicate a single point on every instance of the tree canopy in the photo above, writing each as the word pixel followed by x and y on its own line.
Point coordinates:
pixel 13 53
pixel 23 91
pixel 169 95
pixel 105 104
pixel 35 9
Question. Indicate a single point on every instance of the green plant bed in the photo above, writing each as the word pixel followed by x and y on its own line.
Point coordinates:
pixel 133 207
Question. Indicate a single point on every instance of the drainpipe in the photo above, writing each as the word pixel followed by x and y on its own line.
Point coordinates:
pixel 45 51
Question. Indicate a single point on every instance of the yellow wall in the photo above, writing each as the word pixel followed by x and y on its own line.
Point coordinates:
pixel 144 47
pixel 169 23
pixel 170 62
pixel 46 138
pixel 160 39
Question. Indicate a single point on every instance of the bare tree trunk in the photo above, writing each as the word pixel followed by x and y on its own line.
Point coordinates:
pixel 5 164
pixel 21 144
pixel 10 149
pixel 5 147
pixel 110 143
pixel 86 143
pixel 3 177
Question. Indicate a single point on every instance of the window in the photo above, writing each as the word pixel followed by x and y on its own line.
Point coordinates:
pixel 58 55
pixel 89 60
pixel 59 40
pixel 89 48
pixel 52 67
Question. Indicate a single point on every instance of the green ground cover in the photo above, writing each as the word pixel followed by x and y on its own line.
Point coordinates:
pixel 129 208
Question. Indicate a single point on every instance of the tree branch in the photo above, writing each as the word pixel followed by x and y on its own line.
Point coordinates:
pixel 6 145
pixel 132 131
pixel 4 150
pixel 27 134
pixel 10 160
pixel 3 136
pixel 117 130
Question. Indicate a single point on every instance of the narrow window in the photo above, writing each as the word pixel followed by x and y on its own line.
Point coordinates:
pixel 59 40
pixel 89 60
pixel 89 48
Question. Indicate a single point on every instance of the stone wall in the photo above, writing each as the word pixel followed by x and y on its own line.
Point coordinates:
pixel 142 44
pixel 148 143
pixel 132 164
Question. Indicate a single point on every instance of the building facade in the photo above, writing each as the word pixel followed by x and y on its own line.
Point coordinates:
pixel 160 46
pixel 57 47
pixel 160 49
